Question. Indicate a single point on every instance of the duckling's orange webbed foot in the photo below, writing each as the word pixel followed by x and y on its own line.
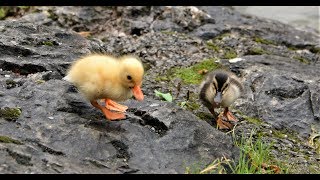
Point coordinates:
pixel 114 115
pixel 109 114
pixel 226 119
pixel 229 115
pixel 223 123
pixel 111 105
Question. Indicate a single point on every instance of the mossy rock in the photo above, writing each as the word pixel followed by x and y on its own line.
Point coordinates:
pixel 192 75
pixel 263 41
pixel 10 113
pixel 192 106
pixel 229 53
pixel 301 59
pixel 256 51
pixel 6 139
pixel 253 120
pixel 213 47
pixel 47 43
pixel 204 115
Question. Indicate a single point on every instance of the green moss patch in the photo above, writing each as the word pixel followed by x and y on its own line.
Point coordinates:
pixel 47 43
pixel 40 81
pixel 301 59
pixel 213 47
pixel 6 139
pixel 204 115
pixel 229 53
pixel 263 41
pixel 162 78
pixel 292 48
pixel 3 12
pixel 256 51
pixel 192 106
pixel 10 113
pixel 253 120
pixel 191 74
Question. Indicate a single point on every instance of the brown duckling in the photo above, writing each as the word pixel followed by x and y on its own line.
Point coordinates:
pixel 221 88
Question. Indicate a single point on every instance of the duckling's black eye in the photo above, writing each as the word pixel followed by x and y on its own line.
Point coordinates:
pixel 129 77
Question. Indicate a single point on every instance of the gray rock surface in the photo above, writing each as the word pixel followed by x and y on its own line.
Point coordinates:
pixel 59 132
pixel 62 133
pixel 281 91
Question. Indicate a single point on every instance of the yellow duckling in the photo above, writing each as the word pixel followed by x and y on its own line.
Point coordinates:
pixel 109 78
pixel 220 89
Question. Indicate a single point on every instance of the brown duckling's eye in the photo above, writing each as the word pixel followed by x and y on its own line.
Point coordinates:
pixel 129 77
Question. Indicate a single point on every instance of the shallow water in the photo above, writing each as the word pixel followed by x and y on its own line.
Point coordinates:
pixel 302 17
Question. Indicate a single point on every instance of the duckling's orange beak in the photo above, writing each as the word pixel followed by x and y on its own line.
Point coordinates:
pixel 137 93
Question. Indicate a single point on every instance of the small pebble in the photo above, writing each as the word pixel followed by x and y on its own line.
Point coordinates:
pixel 51 117
pixel 7 75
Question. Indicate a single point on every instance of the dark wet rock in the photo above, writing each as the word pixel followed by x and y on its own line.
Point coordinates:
pixel 62 133
pixel 67 135
pixel 280 93
pixel 25 51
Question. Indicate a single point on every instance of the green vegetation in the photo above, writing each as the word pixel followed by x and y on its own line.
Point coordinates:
pixel 253 120
pixel 301 59
pixel 263 41
pixel 165 96
pixel 191 74
pixel 216 167
pixel 292 48
pixel 6 139
pixel 229 53
pixel 3 12
pixel 254 159
pixel 212 46
pixel 256 51
pixel 40 81
pixel 47 43
pixel 190 105
pixel 10 113
pixel 204 115
pixel 162 78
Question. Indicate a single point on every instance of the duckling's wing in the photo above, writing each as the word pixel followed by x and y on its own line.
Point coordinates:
pixel 235 81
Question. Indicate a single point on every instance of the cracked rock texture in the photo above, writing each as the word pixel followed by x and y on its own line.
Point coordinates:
pixel 54 130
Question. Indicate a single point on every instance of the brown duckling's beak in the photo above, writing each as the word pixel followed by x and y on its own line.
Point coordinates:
pixel 218 98
pixel 137 93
